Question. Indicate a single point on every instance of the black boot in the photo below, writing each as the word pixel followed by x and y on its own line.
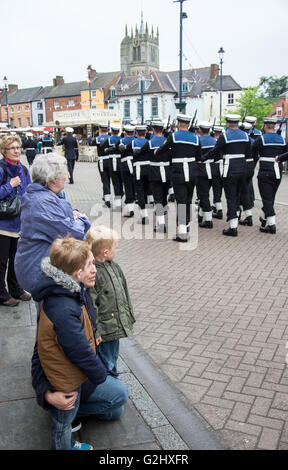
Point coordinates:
pixel 263 221
pixel 183 238
pixel 246 221
pixel 217 214
pixel 230 232
pixel 268 229
pixel 129 214
pixel 206 224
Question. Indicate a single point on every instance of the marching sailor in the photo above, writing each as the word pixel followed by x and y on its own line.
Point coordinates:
pixel 253 131
pixel 217 182
pixel 159 174
pixel 247 196
pixel 103 162
pixel 47 143
pixel 205 175
pixel 126 169
pixel 234 147
pixel 141 166
pixel 30 146
pixel 267 147
pixel 185 149
pixel 110 148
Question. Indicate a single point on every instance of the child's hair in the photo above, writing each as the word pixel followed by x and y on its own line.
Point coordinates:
pixel 100 237
pixel 69 254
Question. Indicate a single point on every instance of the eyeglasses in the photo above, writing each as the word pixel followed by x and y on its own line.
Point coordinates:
pixel 13 148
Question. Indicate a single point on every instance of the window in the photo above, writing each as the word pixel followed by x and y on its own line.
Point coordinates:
pixel 40 119
pixel 136 54
pixel 28 122
pixel 12 110
pixel 19 122
pixel 18 109
pixel 112 93
pixel 154 107
pixel 56 105
pixel 139 107
pixel 39 105
pixel 153 54
pixel 185 86
pixel 12 122
pixel 71 103
pixel 27 107
pixel 230 98
pixel 93 93
pixel 127 109
pixel 279 111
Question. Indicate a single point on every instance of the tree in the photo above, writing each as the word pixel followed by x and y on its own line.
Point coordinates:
pixel 251 103
pixel 273 87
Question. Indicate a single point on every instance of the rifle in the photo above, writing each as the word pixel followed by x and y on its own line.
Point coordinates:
pixel 191 125
pixel 243 119
pixel 212 133
pixel 166 131
pixel 279 131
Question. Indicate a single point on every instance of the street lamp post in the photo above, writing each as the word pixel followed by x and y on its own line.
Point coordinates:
pixel 181 105
pixel 141 80
pixel 221 55
pixel 5 80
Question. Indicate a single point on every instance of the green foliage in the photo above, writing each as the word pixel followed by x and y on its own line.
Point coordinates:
pixel 273 87
pixel 254 105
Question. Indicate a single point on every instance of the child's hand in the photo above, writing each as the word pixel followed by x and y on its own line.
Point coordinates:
pixel 98 340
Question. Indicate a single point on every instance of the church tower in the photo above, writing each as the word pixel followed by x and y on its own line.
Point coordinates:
pixel 140 50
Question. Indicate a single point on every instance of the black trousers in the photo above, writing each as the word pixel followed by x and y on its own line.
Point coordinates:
pixel 160 194
pixel 232 187
pixel 268 186
pixel 142 190
pixel 247 193
pixel 203 188
pixel 128 182
pixel 105 178
pixel 117 181
pixel 183 196
pixel 217 186
pixel 71 165
pixel 8 247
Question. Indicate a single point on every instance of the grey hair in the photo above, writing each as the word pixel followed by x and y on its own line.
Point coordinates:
pixel 47 168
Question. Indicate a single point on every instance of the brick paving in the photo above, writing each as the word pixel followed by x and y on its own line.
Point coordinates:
pixel 213 319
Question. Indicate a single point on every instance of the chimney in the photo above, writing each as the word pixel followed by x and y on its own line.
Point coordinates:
pixel 12 88
pixel 91 73
pixel 58 80
pixel 214 71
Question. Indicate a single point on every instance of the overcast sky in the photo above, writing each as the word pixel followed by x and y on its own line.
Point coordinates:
pixel 41 39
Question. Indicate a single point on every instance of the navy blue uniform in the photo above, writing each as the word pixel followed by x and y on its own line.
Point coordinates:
pixel 159 174
pixel 206 169
pixel 70 145
pixel 234 147
pixel 30 146
pixel 104 166
pixel 126 169
pixel 111 148
pixel 266 148
pixel 185 152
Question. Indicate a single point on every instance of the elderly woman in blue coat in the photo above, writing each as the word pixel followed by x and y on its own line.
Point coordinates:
pixel 44 217
pixel 13 177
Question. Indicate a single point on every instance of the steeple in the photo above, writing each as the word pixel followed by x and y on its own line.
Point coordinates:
pixel 140 49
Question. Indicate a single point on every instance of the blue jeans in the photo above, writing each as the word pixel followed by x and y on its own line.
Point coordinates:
pixel 109 351
pixel 106 403
pixel 61 426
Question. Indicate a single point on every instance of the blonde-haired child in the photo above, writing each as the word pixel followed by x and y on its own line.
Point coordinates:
pixel 110 294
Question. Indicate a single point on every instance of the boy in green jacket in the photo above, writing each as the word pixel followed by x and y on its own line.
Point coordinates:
pixel 110 294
